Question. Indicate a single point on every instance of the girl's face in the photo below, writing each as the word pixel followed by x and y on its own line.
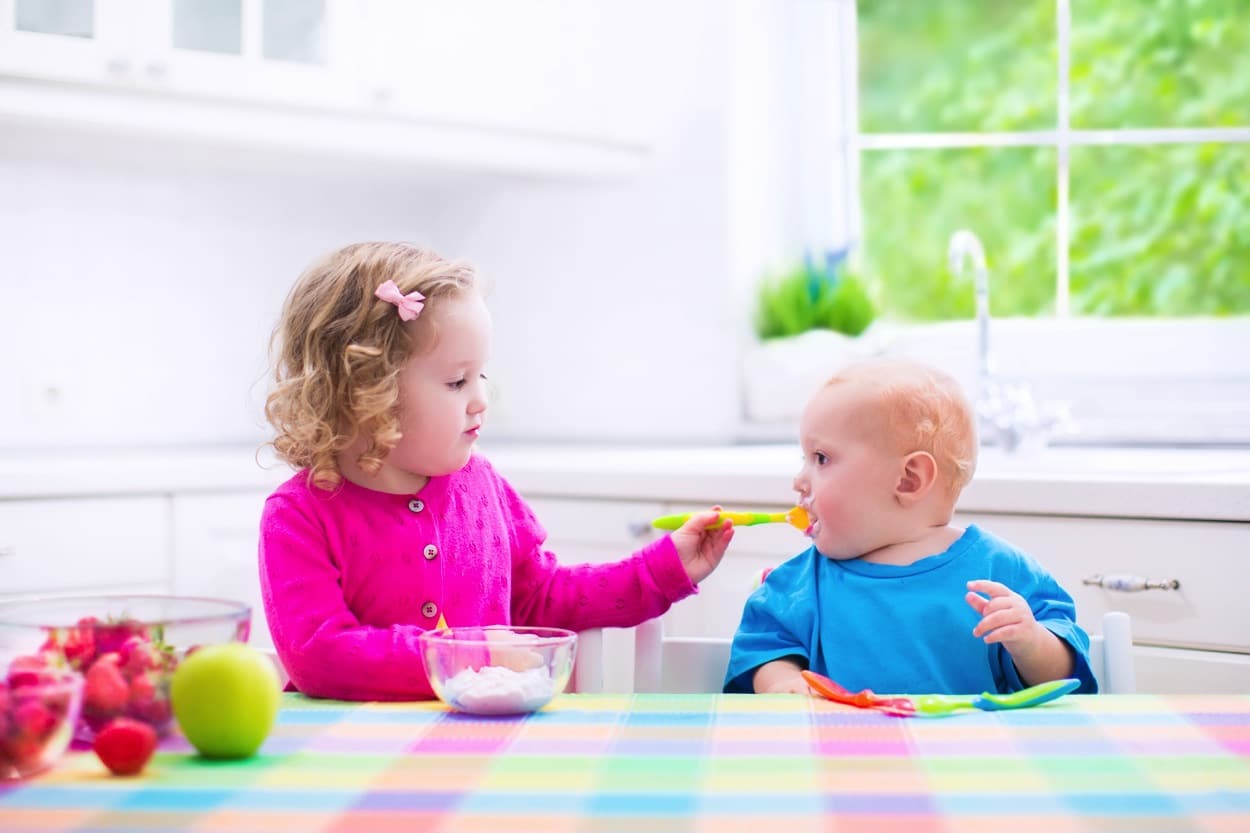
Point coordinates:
pixel 442 391
pixel 848 477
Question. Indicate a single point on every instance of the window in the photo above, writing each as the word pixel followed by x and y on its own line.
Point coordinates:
pixel 1100 149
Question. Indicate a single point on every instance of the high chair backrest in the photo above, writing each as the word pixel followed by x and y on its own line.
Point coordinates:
pixel 697 664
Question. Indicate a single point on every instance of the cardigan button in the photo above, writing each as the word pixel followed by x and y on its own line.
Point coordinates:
pixel 416 505
pixel 430 552
pixel 429 610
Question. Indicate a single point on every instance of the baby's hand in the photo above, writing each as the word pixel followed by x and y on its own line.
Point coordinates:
pixel 788 685
pixel 701 549
pixel 1005 617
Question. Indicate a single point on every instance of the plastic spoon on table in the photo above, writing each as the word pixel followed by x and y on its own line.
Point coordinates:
pixel 796 517
pixel 866 699
pixel 989 701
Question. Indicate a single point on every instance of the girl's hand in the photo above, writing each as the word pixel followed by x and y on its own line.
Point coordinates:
pixel 1005 617
pixel 701 549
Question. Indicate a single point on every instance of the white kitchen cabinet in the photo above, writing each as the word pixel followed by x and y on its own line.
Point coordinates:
pixel 566 69
pixel 543 88
pixel 215 551
pixel 84 545
pixel 598 532
pixel 1191 637
pixel 293 52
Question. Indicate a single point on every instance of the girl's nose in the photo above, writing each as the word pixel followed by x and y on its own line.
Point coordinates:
pixel 479 400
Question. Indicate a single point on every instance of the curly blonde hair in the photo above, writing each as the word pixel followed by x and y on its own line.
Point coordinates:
pixel 917 407
pixel 337 352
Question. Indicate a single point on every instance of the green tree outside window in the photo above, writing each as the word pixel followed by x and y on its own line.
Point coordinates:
pixel 1159 225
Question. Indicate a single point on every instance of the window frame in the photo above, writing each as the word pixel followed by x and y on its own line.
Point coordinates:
pixel 1125 401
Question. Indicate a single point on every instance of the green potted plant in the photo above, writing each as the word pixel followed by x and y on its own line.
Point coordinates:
pixel 809 319
pixel 811 296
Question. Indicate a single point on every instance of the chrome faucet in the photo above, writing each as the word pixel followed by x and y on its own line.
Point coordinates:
pixel 1007 414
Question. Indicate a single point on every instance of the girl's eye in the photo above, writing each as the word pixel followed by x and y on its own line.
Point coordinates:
pixel 460 383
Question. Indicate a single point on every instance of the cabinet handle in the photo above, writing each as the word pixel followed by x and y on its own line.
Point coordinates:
pixel 1125 583
pixel 638 529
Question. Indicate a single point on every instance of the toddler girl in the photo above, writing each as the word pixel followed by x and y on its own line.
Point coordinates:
pixel 393 524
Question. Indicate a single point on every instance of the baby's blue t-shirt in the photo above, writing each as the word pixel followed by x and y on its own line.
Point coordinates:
pixel 899 629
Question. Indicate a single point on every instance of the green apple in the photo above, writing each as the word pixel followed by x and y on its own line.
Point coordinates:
pixel 225 699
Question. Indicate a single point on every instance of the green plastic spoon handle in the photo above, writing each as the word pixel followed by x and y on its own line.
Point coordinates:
pixel 739 519
pixel 1025 697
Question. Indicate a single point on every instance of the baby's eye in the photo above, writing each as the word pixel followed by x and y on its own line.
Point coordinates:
pixel 456 385
pixel 819 458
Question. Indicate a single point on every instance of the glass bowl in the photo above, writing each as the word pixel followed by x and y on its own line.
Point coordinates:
pixel 126 647
pixel 498 669
pixel 39 705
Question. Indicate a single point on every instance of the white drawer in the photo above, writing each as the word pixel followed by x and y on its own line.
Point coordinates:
pixel 1183 671
pixel 53 546
pixel 1211 560
pixel 595 531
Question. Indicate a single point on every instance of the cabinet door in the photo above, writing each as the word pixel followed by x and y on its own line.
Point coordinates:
pixel 292 52
pixel 1178 671
pixel 64 40
pixel 282 51
pixel 215 552
pixel 565 69
pixel 598 532
pixel 84 545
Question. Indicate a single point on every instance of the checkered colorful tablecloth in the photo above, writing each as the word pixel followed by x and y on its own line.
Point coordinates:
pixel 684 762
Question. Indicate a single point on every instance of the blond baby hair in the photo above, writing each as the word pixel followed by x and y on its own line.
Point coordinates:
pixel 919 408
pixel 337 352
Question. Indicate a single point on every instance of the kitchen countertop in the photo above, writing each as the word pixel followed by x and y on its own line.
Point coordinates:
pixel 1205 484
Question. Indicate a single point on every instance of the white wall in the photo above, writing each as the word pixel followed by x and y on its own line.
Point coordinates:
pixel 136 297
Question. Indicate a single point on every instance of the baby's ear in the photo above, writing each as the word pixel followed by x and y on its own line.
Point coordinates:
pixel 917 478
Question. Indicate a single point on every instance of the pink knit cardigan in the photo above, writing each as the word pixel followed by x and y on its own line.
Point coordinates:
pixel 351 577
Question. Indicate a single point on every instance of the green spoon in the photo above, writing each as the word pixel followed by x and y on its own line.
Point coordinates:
pixel 988 701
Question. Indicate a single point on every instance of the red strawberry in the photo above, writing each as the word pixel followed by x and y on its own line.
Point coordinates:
pixel 106 690
pixel 125 745
pixel 29 670
pixel 80 645
pixel 137 656
pixel 33 720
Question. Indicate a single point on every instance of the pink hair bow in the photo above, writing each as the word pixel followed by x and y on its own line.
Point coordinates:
pixel 409 305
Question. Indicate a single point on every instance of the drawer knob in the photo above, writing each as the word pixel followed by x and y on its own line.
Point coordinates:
pixel 638 529
pixel 1125 583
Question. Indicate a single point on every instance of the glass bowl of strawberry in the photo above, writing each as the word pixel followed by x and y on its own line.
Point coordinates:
pixel 126 647
pixel 39 705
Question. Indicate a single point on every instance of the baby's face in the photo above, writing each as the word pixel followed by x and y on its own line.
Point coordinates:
pixel 848 477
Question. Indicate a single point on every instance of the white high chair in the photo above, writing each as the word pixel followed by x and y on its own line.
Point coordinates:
pixel 697 665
